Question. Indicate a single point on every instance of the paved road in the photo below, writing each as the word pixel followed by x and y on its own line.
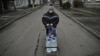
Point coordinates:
pixel 26 37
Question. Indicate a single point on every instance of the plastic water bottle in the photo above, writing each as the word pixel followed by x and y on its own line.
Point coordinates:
pixel 48 50
pixel 54 44
pixel 48 42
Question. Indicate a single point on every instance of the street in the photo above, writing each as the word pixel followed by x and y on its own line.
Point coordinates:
pixel 26 37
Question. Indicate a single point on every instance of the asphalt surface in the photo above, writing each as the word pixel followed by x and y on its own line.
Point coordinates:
pixel 26 37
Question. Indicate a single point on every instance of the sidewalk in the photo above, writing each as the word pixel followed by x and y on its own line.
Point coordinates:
pixel 91 22
pixel 8 18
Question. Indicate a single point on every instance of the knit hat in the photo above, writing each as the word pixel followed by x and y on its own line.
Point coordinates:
pixel 51 8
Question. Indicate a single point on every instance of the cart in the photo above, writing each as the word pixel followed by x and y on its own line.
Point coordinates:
pixel 51 47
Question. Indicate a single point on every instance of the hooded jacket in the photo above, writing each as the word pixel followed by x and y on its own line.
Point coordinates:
pixel 50 18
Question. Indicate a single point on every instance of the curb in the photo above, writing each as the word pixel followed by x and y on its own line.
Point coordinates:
pixel 82 25
pixel 13 20
pixel 88 12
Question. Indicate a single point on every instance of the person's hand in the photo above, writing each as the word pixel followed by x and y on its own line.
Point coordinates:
pixel 51 24
pixel 47 24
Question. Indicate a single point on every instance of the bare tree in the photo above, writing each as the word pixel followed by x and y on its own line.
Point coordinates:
pixel 60 3
pixel 29 3
pixel 33 2
pixel 53 1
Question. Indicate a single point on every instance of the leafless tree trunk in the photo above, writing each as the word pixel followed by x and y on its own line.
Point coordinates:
pixel 60 3
pixel 33 2
pixel 29 3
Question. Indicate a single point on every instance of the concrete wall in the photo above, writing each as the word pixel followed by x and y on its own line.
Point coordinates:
pixel 64 1
pixel 91 4
pixel 92 1
pixel 22 3
pixel 7 5
pixel 37 2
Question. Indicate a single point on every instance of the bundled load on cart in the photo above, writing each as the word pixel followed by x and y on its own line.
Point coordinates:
pixel 51 42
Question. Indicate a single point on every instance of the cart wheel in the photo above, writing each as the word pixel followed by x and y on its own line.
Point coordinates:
pixel 45 52
pixel 57 53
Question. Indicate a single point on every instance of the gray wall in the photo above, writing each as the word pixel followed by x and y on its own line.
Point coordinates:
pixel 22 3
pixel 91 1
pixel 91 4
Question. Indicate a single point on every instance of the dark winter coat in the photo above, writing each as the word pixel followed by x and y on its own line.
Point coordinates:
pixel 50 18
